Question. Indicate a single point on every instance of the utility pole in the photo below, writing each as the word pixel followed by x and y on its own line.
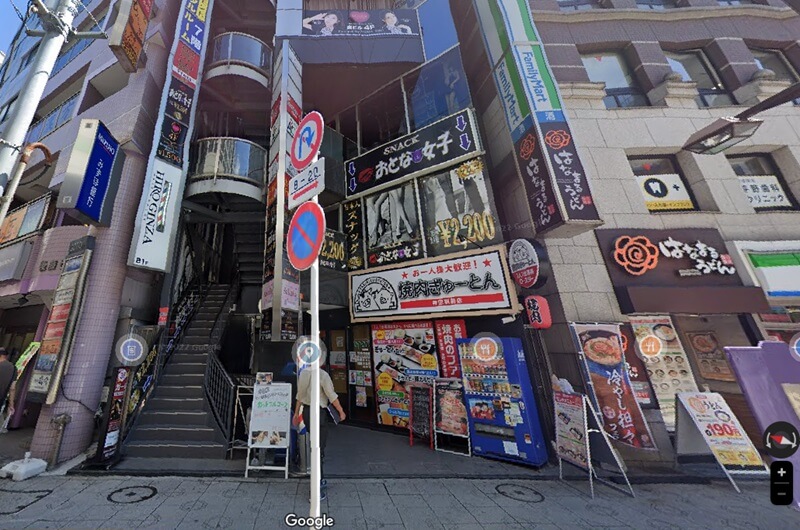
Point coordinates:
pixel 57 21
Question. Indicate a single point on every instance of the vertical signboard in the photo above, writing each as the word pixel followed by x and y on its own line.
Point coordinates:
pixel 157 217
pixel 63 318
pixel 126 38
pixel 553 175
pixel 281 281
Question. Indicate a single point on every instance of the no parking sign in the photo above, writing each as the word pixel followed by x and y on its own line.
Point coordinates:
pixel 305 236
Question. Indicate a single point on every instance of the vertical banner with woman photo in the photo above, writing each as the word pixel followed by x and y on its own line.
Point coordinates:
pixel 665 362
pixel 458 209
pixel 393 232
pixel 601 348
pixel 405 352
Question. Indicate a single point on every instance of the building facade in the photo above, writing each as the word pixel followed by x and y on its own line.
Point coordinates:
pixel 453 131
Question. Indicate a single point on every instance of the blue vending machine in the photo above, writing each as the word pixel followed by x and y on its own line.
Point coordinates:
pixel 503 417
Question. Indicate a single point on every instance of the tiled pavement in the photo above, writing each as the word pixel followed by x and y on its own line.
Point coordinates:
pixel 191 503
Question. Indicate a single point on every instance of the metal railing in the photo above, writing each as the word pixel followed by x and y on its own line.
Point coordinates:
pixel 232 158
pixel 241 48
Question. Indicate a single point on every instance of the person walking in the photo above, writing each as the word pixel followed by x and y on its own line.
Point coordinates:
pixel 302 410
pixel 8 374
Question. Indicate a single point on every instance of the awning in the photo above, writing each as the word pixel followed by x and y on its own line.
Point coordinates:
pixel 695 300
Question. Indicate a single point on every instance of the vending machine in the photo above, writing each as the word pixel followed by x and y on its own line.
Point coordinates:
pixel 503 417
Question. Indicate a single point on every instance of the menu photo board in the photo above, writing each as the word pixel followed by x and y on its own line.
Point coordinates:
pixel 711 361
pixel 271 416
pixel 450 407
pixel 665 362
pixel 637 372
pixel 404 352
pixel 602 352
pixel 572 440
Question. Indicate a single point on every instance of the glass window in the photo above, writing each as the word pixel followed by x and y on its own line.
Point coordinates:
pixel 437 27
pixel 662 184
pixel 775 61
pixel 436 90
pixel 734 2
pixel 578 5
pixel 762 183
pixel 7 109
pixel 332 219
pixel 693 67
pixel 657 5
pixel 382 116
pixel 621 88
pixel 348 128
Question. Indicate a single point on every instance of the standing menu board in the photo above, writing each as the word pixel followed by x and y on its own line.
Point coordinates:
pixel 572 441
pixel 271 416
pixel 421 412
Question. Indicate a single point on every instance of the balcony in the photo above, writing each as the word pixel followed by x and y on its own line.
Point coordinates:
pixel 228 166
pixel 240 55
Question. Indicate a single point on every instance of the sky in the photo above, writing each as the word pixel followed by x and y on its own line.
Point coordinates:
pixel 9 22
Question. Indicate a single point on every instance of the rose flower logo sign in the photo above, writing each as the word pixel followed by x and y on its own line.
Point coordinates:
pixel 636 255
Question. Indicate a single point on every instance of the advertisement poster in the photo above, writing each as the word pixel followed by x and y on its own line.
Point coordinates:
pixel 360 377
pixel 361 396
pixel 458 209
pixel 665 362
pixel 271 415
pixel 343 23
pixel 116 415
pixel 711 360
pixel 792 391
pixel 393 232
pixel 451 410
pixel 447 331
pixel 602 352
pixel 11 226
pixel 334 251
pixel 354 230
pixel 572 441
pixel 664 193
pixel 477 281
pixel 722 431
pixel 23 360
pixel 404 352
pixel 637 372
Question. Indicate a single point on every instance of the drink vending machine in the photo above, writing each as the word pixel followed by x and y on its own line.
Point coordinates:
pixel 503 417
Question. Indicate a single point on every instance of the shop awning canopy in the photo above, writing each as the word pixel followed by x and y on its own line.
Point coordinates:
pixel 696 300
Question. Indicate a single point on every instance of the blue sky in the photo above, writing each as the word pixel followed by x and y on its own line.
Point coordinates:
pixel 9 22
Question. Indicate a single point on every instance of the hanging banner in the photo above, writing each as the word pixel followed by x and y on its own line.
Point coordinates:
pixel 404 352
pixel 23 360
pixel 343 23
pixel 447 331
pixel 572 440
pixel 450 407
pixel 446 142
pixel 354 231
pixel 157 217
pixel 601 349
pixel 458 209
pixel 470 284
pixel 665 361
pixel 637 371
pixel 116 415
pixel 271 416
pixel 333 255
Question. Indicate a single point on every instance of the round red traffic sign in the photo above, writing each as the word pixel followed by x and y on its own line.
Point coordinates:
pixel 306 235
pixel 307 140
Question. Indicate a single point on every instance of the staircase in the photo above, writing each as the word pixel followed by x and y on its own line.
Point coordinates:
pixel 177 421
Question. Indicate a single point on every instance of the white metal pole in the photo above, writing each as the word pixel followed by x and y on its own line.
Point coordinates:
pixel 39 74
pixel 316 460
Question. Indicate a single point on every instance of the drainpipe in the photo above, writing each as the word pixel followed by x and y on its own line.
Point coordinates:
pixel 60 421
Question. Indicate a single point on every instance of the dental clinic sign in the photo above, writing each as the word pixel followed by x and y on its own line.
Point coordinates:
pixel 93 173
pixel 159 207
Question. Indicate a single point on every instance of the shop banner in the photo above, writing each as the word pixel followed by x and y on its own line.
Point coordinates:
pixel 473 283
pixel 25 358
pixel 12 223
pixel 665 361
pixel 116 415
pixel 458 209
pixel 354 231
pixel 446 142
pixel 343 23
pixel 447 331
pixel 538 311
pixel 711 361
pixel 404 352
pixel 636 369
pixel 334 251
pixel 623 420
pixel 572 439
pixel 536 181
pixel 142 378
pixel 721 431
pixel 451 410
pixel 393 233
pixel 271 416
pixel 126 36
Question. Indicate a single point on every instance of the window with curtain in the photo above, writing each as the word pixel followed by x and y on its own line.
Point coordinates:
pixel 621 87
pixel 694 67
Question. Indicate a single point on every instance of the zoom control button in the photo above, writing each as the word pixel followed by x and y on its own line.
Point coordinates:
pixel 781 483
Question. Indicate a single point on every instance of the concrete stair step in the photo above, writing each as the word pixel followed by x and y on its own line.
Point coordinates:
pixel 176 404
pixel 189 357
pixel 176 432
pixel 196 418
pixel 170 379
pixel 179 391
pixel 185 368
pixel 176 449
pixel 197 338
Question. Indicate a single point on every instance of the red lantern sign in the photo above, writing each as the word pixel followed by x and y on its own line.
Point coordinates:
pixel 538 312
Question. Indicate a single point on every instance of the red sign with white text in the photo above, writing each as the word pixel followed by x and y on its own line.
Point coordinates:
pixel 163 313
pixel 538 311
pixel 447 331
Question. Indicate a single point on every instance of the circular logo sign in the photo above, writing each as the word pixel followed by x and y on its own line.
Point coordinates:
pixel 306 140
pixel 131 349
pixel 650 346
pixel 305 235
pixel 428 362
pixel 781 439
pixel 655 188
pixel 486 347
pixel 385 382
pixel 524 263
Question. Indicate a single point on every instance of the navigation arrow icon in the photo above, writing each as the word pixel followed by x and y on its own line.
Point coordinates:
pixel 461 123
pixel 352 185
pixel 465 142
pixel 351 168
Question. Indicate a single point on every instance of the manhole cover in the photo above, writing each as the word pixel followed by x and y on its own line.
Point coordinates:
pixel 519 493
pixel 132 495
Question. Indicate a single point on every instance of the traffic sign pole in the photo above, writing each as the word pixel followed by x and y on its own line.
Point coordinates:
pixel 316 457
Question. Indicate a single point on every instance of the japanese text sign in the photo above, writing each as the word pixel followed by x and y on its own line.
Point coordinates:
pixel 447 331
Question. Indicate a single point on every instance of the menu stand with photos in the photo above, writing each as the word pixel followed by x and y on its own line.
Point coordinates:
pixel 577 433
pixel 270 421
pixel 420 421
pixel 450 417
pixel 705 425
pixel 244 395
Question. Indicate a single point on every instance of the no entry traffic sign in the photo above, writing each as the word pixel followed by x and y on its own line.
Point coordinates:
pixel 306 141
pixel 305 236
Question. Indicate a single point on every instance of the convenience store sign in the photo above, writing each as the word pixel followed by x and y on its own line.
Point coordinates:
pixel 778 273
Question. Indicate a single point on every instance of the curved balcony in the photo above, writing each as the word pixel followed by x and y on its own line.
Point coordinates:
pixel 239 54
pixel 227 165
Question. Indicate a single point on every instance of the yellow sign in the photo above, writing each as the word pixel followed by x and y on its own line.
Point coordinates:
pixel 385 382
pixel 428 362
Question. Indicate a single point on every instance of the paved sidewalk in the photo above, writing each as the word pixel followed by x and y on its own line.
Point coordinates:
pixel 189 503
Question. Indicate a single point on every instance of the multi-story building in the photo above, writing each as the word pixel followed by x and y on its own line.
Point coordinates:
pixel 452 129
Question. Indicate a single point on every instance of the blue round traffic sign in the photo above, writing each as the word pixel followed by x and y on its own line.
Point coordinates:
pixel 306 235
pixel 307 140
